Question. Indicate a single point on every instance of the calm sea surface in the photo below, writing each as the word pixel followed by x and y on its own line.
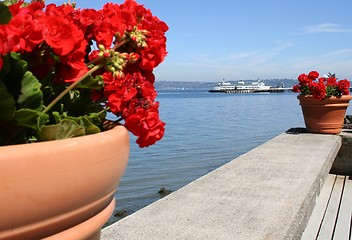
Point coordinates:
pixel 203 131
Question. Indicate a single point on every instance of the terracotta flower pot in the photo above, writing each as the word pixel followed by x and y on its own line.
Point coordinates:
pixel 61 189
pixel 324 116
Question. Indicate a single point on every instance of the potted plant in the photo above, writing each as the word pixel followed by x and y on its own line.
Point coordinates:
pixel 324 101
pixel 73 82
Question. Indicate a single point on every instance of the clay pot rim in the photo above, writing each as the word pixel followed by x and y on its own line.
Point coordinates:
pixel 343 97
pixel 119 129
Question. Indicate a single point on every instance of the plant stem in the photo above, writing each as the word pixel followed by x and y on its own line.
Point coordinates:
pixel 93 61
pixel 119 44
pixel 71 87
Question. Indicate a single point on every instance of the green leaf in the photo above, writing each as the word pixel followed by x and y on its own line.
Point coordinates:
pixel 12 73
pixel 89 127
pixel 31 118
pixel 22 64
pixel 42 120
pixel 5 14
pixel 7 104
pixel 57 116
pixel 5 67
pixel 65 129
pixel 84 121
pixel 97 118
pixel 32 96
pixel 92 83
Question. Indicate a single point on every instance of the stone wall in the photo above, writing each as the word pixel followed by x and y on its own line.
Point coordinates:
pixel 343 162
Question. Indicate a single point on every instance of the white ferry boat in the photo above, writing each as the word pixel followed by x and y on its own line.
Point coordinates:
pixel 241 86
pixel 257 86
pixel 223 86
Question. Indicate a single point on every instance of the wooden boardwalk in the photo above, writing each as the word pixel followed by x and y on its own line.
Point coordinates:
pixel 332 215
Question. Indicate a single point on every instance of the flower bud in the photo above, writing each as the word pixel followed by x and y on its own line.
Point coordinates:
pixel 144 32
pixel 111 68
pixel 134 57
pixel 101 47
pixel 120 61
pixel 106 53
pixel 119 75
pixel 117 66
pixel 124 56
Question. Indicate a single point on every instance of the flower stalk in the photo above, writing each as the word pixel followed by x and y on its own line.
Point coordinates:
pixel 70 87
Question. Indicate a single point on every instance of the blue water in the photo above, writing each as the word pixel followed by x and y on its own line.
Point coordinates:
pixel 203 131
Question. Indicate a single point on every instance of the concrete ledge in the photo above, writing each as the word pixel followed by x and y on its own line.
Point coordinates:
pixel 267 193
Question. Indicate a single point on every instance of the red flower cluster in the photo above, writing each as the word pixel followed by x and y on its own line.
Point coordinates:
pixel 321 87
pixel 119 45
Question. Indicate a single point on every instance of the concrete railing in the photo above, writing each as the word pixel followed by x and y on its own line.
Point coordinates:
pixel 267 193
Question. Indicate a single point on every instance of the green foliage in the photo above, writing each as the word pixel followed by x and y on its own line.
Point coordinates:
pixel 92 83
pixel 10 2
pixel 83 121
pixel 31 96
pixel 31 118
pixel 65 129
pixel 22 118
pixel 5 14
pixel 305 90
pixel 7 105
pixel 12 73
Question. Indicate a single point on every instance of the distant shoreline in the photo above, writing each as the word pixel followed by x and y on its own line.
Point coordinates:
pixel 178 85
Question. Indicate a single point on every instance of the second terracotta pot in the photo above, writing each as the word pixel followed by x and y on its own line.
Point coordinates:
pixel 324 116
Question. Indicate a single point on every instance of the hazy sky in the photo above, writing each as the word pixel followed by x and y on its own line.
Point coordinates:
pixel 250 39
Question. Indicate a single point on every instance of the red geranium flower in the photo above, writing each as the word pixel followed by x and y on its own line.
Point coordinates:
pixel 61 34
pixel 81 65
pixel 323 87
pixel 318 90
pixel 146 125
pixel 304 79
pixel 344 86
pixel 89 17
pixel 313 75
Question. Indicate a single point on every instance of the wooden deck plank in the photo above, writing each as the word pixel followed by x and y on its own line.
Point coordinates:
pixel 313 226
pixel 343 226
pixel 328 224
